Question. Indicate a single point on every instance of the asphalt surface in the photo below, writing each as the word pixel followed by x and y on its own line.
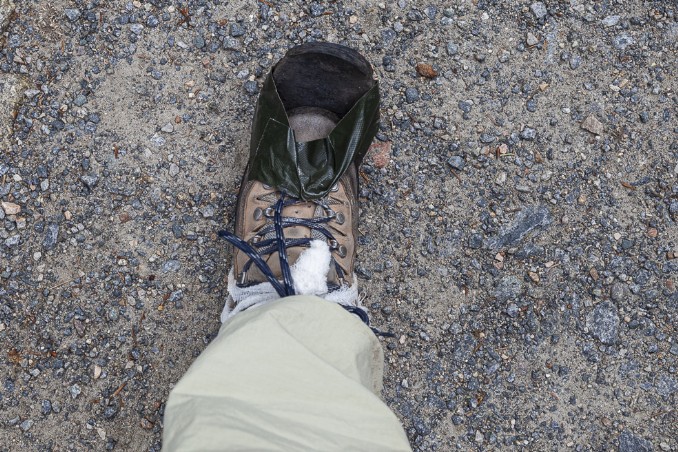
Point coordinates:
pixel 518 213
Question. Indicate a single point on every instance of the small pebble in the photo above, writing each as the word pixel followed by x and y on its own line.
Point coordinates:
pixel 75 390
pixel 90 180
pixel 622 41
pixel 80 100
pixel 539 10
pixel 531 40
pixel 236 30
pixel 528 134
pixel 72 14
pixel 592 125
pixel 251 87
pixel 610 21
pixel 411 95
pixel 452 48
pixel 51 236
pixel 173 169
pixel 45 407
pixel 457 162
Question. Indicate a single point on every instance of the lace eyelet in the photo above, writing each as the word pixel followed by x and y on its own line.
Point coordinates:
pixel 269 212
pixel 258 213
pixel 342 251
pixel 242 278
pixel 340 218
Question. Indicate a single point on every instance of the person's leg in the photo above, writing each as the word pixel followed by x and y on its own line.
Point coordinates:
pixel 295 373
pixel 300 373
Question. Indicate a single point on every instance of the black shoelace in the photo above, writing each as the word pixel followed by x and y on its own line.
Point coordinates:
pixel 279 244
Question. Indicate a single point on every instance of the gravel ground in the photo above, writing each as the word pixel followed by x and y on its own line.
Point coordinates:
pixel 518 215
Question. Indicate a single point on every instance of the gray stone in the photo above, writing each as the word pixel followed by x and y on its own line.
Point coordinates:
pixel 12 241
pixel 110 412
pixel 475 241
pixel 152 21
pixel 75 390
pixel 236 30
pixel 173 170
pixel 457 162
pixel 31 93
pixel 26 425
pixel 113 314
pixel 465 106
pixel 628 442
pixel 72 14
pixel 199 42
pixel 90 180
pixel 592 125
pixel 208 211
pixel 487 138
pixel 167 128
pixel 251 87
pixel 45 407
pixel 316 9
pixel 51 236
pixel 539 10
pixel 411 95
pixel 80 100
pixel 508 288
pixel 666 386
pixel 610 21
pixel 531 40
pixel 529 219
pixel 171 266
pixel 528 134
pixel 452 48
pixel 622 41
pixel 231 43
pixel 531 105
pixel 603 323
pixel 618 291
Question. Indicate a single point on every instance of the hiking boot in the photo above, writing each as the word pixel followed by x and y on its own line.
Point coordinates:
pixel 297 213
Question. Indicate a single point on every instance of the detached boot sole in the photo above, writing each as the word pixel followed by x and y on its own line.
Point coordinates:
pixel 327 76
pixel 316 117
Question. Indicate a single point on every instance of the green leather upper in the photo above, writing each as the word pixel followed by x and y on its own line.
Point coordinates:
pixel 308 170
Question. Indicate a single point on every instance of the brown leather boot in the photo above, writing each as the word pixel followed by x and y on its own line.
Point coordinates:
pixel 297 212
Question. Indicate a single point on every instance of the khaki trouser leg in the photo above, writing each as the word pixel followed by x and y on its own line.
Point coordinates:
pixel 297 374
